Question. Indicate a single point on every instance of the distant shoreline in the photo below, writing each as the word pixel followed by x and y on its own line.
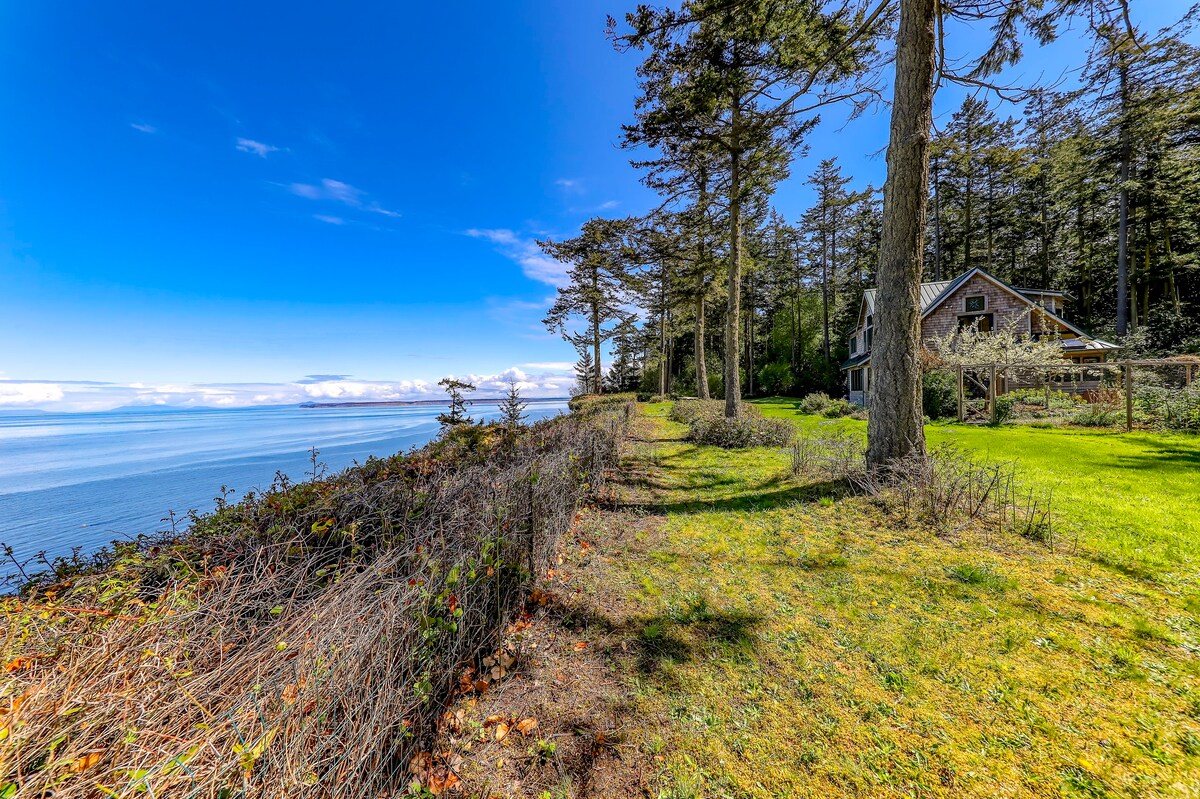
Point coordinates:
pixel 411 403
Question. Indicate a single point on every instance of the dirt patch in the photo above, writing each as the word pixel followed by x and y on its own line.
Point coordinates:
pixel 558 721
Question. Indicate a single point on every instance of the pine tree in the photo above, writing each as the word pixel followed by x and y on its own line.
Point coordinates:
pixel 895 427
pixel 600 272
pixel 457 414
pixel 739 78
pixel 512 408
pixel 585 372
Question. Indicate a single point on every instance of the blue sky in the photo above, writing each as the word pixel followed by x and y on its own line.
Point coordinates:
pixel 206 203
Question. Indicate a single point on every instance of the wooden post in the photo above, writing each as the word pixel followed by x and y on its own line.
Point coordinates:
pixel 962 414
pixel 992 394
pixel 1128 396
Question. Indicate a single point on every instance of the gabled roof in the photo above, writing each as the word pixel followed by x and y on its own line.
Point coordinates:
pixel 934 293
pixel 929 292
pixel 855 360
pixel 1077 344
pixel 970 273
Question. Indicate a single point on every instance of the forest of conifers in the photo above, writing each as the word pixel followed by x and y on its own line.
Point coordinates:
pixel 1043 187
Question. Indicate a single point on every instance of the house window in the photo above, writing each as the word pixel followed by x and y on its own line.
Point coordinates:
pixel 854 345
pixel 975 304
pixel 982 321
pixel 856 379
pixel 869 336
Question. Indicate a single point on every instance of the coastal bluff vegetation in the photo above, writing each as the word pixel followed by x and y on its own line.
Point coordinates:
pixel 305 639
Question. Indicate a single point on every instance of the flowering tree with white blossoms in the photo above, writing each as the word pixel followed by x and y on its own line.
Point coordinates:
pixel 1006 346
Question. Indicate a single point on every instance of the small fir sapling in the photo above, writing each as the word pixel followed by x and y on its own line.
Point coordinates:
pixel 457 413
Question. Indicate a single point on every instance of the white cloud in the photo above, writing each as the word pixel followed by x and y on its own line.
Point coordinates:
pixel 332 220
pixel 526 253
pixel 330 190
pixel 68 396
pixel 256 147
pixel 143 127
pixel 569 184
pixel 19 394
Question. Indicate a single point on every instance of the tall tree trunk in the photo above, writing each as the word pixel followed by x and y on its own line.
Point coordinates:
pixel 750 336
pixel 824 284
pixel 662 339
pixel 937 222
pixel 733 313
pixel 1123 223
pixel 968 208
pixel 596 350
pixel 894 427
pixel 701 366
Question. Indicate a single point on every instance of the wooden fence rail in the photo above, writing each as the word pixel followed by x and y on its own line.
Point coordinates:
pixel 994 371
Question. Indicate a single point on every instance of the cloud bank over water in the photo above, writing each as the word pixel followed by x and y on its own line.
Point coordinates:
pixel 534 380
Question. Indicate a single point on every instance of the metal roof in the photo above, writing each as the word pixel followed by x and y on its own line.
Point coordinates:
pixel 1076 344
pixel 850 363
pixel 929 293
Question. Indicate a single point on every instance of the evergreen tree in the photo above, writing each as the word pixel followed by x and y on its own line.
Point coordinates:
pixel 601 279
pixel 737 78
pixel 512 408
pixel 895 429
pixel 585 372
pixel 457 414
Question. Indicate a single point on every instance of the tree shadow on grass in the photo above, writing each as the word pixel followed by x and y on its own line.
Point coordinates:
pixel 1173 454
pixel 768 495
pixel 675 636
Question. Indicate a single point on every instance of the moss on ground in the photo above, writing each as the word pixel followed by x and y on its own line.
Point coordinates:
pixel 783 639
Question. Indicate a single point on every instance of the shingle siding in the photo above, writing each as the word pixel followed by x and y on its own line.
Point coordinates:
pixel 1000 303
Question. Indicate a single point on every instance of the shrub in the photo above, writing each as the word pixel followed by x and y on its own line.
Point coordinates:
pixel 1005 403
pixel 685 410
pixel 945 488
pixel 598 403
pixel 775 378
pixel 837 408
pixel 833 455
pixel 740 432
pixel 1059 400
pixel 814 403
pixel 939 394
pixel 1097 415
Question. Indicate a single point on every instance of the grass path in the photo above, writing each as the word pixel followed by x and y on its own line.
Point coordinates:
pixel 778 641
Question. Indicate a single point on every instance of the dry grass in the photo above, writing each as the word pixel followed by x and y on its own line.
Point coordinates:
pixel 304 641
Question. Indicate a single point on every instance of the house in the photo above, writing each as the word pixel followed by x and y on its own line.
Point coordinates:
pixel 975 298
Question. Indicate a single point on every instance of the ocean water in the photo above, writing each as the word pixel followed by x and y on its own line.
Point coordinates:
pixel 82 480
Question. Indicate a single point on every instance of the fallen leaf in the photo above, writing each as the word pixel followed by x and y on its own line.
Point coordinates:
pixel 17 664
pixel 496 719
pixel 87 761
pixel 579 647
pixel 526 726
pixel 438 783
pixel 481 685
pixel 501 730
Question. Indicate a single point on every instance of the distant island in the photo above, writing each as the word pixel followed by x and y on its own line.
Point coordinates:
pixel 407 403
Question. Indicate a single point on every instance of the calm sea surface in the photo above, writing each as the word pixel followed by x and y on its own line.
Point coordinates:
pixel 70 480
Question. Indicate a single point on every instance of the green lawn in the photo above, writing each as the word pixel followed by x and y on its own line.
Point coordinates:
pixel 1131 499
pixel 778 640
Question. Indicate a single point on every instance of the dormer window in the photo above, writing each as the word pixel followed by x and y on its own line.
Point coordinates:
pixel 854 345
pixel 975 304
